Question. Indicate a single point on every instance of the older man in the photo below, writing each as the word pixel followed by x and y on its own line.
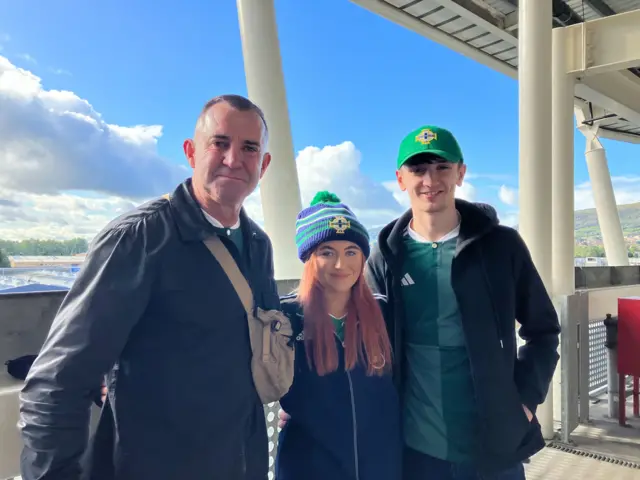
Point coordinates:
pixel 154 309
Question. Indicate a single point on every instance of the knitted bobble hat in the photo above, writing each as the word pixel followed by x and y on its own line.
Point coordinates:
pixel 327 219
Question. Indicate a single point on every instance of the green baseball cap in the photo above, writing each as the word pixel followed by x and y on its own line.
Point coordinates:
pixel 430 139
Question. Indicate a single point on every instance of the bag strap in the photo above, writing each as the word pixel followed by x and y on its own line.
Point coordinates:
pixel 229 265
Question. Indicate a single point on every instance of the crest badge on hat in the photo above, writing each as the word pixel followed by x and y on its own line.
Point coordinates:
pixel 426 136
pixel 340 224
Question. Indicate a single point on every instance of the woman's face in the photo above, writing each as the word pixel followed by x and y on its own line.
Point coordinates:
pixel 339 265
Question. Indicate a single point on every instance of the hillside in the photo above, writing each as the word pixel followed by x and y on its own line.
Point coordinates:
pixel 587 222
pixel 587 228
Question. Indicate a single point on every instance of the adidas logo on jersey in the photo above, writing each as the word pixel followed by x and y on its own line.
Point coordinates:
pixel 407 280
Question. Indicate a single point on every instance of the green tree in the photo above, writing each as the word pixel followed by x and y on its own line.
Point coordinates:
pixel 44 247
pixel 589 251
pixel 4 260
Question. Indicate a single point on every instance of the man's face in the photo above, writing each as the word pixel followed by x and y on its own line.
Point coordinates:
pixel 431 185
pixel 227 154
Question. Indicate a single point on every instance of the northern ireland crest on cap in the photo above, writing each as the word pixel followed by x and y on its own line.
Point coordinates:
pixel 426 136
pixel 340 224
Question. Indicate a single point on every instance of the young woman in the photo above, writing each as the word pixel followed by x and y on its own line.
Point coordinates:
pixel 344 417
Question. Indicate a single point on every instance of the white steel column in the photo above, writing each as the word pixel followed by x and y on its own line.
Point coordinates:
pixel 605 200
pixel 534 82
pixel 279 189
pixel 563 231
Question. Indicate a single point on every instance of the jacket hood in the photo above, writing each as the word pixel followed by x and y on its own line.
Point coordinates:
pixel 476 220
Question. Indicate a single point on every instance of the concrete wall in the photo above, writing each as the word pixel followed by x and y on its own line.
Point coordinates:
pixel 25 319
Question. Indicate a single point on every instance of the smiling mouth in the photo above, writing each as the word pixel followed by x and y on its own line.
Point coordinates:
pixel 431 195
pixel 336 275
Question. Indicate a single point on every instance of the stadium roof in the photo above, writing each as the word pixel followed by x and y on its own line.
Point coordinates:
pixel 487 31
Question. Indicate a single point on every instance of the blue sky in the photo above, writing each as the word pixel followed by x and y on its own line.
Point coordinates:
pixel 350 76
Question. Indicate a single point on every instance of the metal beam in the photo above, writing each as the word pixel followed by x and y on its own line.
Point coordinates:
pixel 617 92
pixel 585 113
pixel 601 7
pixel 407 20
pixel 480 16
pixel 604 45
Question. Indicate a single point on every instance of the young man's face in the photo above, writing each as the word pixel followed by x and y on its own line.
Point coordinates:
pixel 431 184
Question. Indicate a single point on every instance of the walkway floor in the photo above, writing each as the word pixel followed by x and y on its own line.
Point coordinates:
pixel 552 464
pixel 602 438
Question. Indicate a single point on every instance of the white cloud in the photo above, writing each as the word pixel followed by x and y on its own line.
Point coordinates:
pixel 52 141
pixel 60 71
pixel 337 168
pixel 27 58
pixel 626 190
pixel 27 215
pixel 334 168
pixel 508 195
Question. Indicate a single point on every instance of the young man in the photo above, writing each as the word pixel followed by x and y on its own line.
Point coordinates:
pixel 154 308
pixel 456 281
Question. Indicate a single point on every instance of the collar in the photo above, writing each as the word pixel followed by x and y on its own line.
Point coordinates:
pixel 447 236
pixel 214 221
pixel 192 224
pixel 475 222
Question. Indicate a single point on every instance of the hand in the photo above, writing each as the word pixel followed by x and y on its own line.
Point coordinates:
pixel 283 418
pixel 103 393
pixel 528 413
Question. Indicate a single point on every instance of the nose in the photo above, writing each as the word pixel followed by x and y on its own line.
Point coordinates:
pixel 430 176
pixel 233 157
pixel 338 264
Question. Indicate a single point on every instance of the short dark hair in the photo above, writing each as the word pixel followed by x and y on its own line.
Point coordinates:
pixel 239 103
pixel 426 157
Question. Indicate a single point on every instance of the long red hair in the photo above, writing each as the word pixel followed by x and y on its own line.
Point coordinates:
pixel 365 340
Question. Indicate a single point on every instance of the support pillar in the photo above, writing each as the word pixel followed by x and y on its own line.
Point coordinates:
pixel 563 170
pixel 615 247
pixel 534 84
pixel 279 189
pixel 565 381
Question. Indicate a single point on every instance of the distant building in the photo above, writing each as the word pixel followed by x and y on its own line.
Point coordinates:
pixel 34 261
pixel 32 288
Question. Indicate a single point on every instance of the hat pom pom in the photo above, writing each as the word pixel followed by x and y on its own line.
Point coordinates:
pixel 325 197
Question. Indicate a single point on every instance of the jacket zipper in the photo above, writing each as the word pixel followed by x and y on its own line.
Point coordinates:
pixel 353 415
pixel 244 459
pixel 355 426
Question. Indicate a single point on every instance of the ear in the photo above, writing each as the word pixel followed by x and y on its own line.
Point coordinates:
pixel 266 161
pixel 189 148
pixel 400 180
pixel 462 169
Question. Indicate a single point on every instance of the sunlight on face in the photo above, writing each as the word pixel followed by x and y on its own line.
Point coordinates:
pixel 339 265
pixel 431 186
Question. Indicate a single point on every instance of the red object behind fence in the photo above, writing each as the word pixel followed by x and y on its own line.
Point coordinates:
pixel 628 353
pixel 629 336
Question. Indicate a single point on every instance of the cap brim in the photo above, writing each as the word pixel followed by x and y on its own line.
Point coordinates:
pixel 446 156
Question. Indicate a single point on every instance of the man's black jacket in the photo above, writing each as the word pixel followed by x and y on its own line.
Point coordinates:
pixel 495 283
pixel 152 307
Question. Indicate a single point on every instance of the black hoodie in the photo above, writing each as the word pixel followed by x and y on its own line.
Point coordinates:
pixel 495 283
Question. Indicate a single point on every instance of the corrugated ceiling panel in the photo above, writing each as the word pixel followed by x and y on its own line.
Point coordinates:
pixel 501 6
pixel 620 6
pixel 577 6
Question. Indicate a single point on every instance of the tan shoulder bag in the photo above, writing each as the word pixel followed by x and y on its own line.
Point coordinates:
pixel 270 333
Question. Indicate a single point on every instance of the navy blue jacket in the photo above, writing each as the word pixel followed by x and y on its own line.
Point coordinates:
pixel 343 426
